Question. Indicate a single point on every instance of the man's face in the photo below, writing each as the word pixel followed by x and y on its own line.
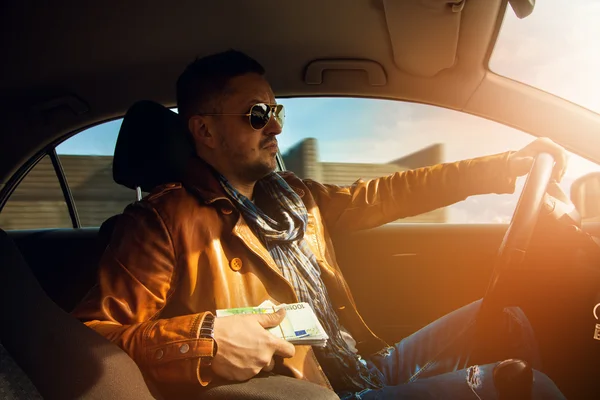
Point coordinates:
pixel 235 146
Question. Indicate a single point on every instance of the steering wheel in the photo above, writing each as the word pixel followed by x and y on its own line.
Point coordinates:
pixel 516 239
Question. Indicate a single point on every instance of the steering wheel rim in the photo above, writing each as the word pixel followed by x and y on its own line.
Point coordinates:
pixel 513 248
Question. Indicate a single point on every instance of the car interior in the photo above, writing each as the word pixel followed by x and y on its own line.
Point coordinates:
pixel 72 66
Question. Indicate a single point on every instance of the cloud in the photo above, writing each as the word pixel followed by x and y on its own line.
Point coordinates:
pixel 463 136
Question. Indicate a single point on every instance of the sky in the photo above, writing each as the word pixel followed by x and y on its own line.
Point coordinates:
pixel 556 49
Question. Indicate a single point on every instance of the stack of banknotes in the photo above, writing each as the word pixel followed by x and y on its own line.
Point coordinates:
pixel 300 326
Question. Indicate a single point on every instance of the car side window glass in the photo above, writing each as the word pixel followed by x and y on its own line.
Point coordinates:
pixel 340 140
pixel 37 202
pixel 86 159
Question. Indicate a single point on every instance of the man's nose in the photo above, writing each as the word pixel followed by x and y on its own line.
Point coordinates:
pixel 273 128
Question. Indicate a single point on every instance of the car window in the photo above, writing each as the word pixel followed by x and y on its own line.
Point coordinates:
pixel 37 202
pixel 554 49
pixel 339 140
pixel 86 159
pixel 331 140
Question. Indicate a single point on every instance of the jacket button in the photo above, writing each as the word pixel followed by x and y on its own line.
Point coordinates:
pixel 226 211
pixel 300 192
pixel 236 264
pixel 184 348
pixel 159 354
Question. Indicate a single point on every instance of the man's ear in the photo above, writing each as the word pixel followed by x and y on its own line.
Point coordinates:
pixel 200 127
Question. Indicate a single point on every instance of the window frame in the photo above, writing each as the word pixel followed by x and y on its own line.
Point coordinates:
pixel 28 166
pixel 64 185
pixel 50 151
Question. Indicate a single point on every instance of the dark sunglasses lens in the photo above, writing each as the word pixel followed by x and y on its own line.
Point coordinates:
pixel 259 116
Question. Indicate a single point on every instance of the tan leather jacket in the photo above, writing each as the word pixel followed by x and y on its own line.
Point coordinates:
pixel 184 251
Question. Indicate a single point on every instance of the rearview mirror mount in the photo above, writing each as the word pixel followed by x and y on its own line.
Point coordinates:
pixel 522 8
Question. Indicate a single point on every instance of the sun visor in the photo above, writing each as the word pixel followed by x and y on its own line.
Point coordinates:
pixel 424 34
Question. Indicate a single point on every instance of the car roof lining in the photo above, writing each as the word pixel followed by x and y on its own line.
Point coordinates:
pixel 112 54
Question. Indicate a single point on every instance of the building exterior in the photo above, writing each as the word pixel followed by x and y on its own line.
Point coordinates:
pixel 303 159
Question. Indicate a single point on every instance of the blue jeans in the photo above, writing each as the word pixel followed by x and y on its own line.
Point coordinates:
pixel 444 361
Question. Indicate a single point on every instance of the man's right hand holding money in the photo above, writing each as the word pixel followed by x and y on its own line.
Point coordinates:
pixel 246 347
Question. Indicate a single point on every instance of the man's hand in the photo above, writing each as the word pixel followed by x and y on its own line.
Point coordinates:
pixel 520 162
pixel 246 347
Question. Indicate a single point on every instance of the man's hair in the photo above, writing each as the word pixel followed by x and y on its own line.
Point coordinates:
pixel 203 83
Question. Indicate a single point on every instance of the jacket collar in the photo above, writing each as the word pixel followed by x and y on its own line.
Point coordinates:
pixel 200 178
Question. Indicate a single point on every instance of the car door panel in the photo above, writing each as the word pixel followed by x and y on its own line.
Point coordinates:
pixel 404 276
pixel 64 261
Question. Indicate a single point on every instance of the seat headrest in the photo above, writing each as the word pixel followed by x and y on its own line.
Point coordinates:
pixel 153 147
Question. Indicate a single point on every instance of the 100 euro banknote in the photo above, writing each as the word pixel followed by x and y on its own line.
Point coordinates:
pixel 300 326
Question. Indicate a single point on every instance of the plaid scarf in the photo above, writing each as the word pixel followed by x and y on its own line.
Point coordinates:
pixel 283 236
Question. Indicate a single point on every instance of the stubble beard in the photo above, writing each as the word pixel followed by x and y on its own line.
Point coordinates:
pixel 250 172
pixel 257 171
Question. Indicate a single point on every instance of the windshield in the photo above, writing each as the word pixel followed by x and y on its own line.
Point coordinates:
pixel 556 49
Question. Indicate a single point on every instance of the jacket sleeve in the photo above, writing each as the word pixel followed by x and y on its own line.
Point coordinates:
pixel 136 277
pixel 368 204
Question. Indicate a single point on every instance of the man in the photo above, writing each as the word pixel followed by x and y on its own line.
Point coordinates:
pixel 235 234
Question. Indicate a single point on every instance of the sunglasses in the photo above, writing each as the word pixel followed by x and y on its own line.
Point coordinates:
pixel 260 115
